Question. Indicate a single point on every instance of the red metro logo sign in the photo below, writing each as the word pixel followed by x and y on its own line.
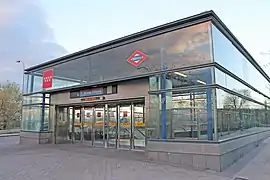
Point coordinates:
pixel 137 58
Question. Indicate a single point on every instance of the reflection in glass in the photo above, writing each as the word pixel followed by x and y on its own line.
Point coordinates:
pixel 62 125
pixel 228 56
pixel 35 99
pixel 88 124
pixel 187 115
pixel 187 112
pixel 237 116
pixel 124 126
pixel 111 126
pixel 183 47
pixel 77 125
pixel 194 77
pixel 139 126
pixel 98 126
pixel 32 118
pixel 236 86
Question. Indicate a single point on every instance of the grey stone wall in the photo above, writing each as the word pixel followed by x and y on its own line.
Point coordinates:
pixel 203 154
pixel 31 138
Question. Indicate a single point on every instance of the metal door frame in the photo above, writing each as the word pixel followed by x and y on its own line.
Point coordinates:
pixel 73 123
pixel 106 119
pixel 91 122
pixel 134 127
pixel 131 135
pixel 132 124
pixel 56 123
pixel 106 131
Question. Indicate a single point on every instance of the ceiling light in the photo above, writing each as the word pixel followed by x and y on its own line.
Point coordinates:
pixel 201 82
pixel 180 74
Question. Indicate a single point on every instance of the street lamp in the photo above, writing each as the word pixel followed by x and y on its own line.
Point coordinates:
pixel 23 68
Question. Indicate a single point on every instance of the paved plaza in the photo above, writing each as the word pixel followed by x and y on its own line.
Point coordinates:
pixel 72 162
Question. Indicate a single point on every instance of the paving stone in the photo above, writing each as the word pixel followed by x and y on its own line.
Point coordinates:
pixel 68 162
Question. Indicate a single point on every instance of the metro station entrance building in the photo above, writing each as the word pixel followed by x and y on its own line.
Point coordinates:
pixel 189 83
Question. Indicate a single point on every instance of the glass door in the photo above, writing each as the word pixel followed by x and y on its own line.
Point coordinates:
pixel 62 125
pixel 110 127
pixel 77 125
pixel 124 126
pixel 88 125
pixel 71 122
pixel 98 127
pixel 138 126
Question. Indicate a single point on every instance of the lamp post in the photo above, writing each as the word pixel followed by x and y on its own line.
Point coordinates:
pixel 23 68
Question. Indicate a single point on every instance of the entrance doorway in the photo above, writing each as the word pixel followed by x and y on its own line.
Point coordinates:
pixel 115 125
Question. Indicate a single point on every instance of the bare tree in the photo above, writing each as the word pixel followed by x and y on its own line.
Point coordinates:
pixel 236 102
pixel 237 105
pixel 10 105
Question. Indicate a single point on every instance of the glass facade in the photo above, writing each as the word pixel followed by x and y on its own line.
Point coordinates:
pixel 35 113
pixel 182 48
pixel 188 103
pixel 238 116
pixel 190 96
pixel 244 110
pixel 228 56
pixel 210 103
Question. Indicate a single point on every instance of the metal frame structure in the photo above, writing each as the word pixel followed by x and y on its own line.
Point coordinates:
pixel 208 16
pixel 105 128
pixel 172 26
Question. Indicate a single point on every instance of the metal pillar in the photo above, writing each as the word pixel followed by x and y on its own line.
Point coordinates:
pixel 118 127
pixel 42 112
pixel 209 106
pixel 132 123
pixel 163 97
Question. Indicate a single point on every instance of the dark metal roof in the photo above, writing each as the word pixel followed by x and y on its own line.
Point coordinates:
pixel 198 18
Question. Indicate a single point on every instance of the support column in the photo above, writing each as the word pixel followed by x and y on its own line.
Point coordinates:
pixel 163 98
pixel 42 112
pixel 209 106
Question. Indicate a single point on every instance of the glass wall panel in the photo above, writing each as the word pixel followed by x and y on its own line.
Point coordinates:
pixel 227 55
pixel 185 47
pixel 27 83
pixel 237 116
pixel 194 77
pixel 188 112
pixel 35 99
pixel 189 115
pixel 32 118
pixel 33 112
pixel 236 86
pixel 33 83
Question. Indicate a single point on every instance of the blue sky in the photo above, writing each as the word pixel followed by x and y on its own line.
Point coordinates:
pixel 76 25
pixel 84 23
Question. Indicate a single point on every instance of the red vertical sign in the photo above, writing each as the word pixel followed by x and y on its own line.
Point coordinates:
pixel 47 78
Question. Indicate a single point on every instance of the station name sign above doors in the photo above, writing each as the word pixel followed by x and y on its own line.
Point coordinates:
pixel 88 93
